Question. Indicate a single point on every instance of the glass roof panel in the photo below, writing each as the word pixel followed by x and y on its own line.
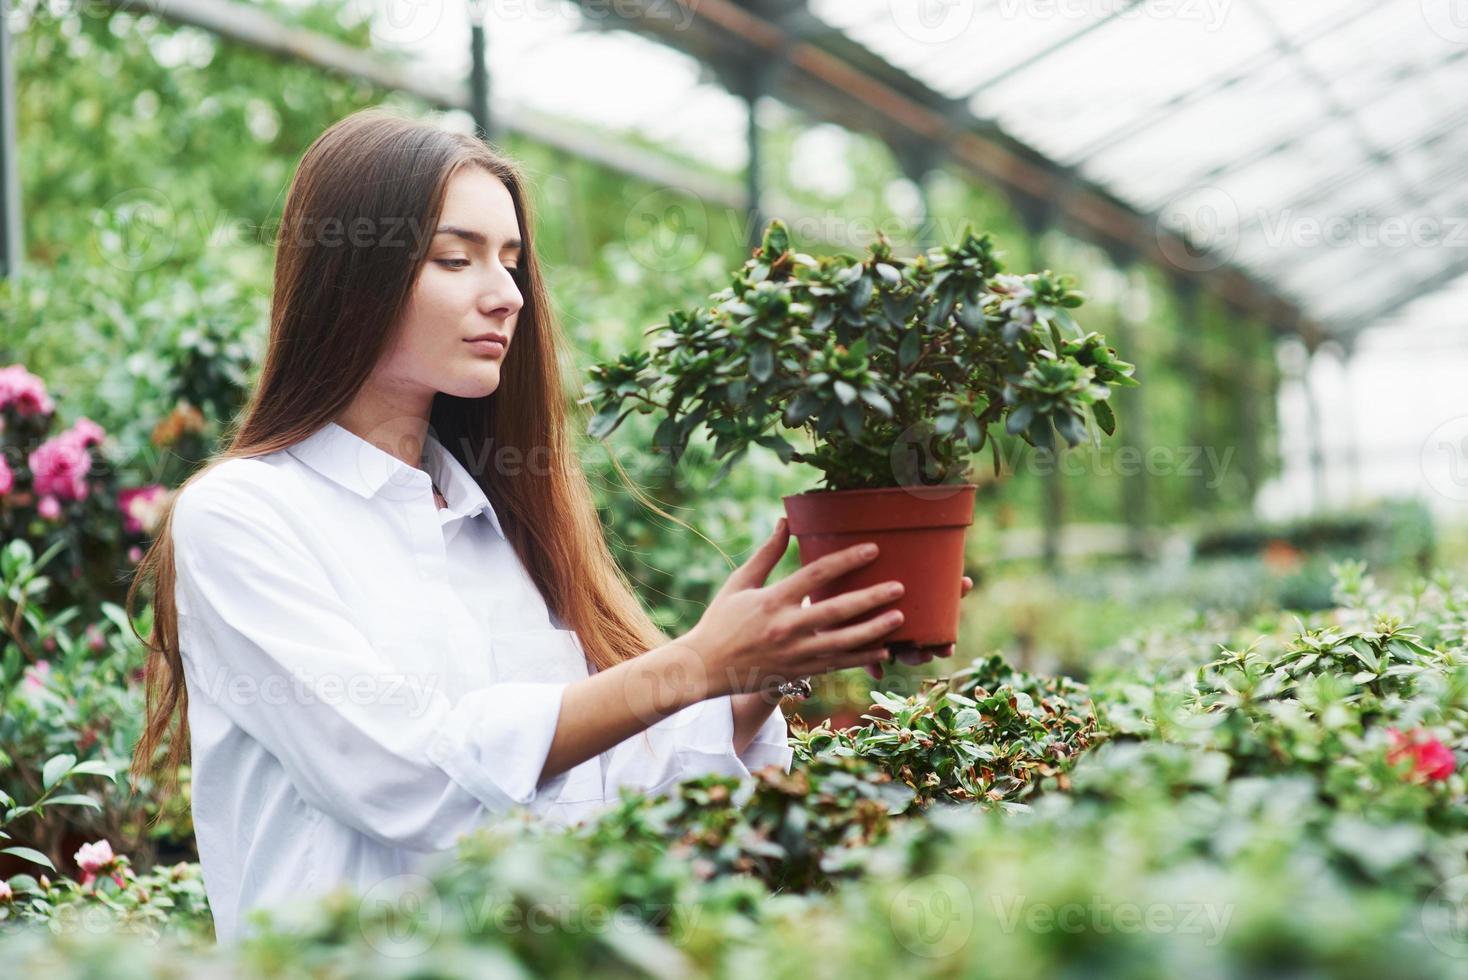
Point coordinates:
pixel 1291 120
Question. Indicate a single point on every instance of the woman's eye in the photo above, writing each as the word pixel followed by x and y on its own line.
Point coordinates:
pixel 449 263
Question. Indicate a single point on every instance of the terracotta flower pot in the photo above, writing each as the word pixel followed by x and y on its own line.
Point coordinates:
pixel 920 532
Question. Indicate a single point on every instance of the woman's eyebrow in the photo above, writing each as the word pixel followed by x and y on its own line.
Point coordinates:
pixel 478 238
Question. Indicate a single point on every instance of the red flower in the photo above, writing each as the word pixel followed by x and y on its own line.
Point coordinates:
pixel 1431 759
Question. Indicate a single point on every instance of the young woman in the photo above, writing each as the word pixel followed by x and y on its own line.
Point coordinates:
pixel 387 610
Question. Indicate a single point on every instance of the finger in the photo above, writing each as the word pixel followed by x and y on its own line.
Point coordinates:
pixel 875 671
pixel 752 574
pixel 868 657
pixel 847 606
pixel 858 636
pixel 968 586
pixel 804 581
pixel 913 658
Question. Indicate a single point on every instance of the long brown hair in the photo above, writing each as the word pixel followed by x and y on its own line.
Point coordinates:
pixel 332 312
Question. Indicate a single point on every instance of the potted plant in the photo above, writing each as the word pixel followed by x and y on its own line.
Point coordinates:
pixel 890 373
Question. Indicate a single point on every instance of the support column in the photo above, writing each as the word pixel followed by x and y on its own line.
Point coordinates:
pixel 1351 447
pixel 1037 218
pixel 751 83
pixel 479 73
pixel 11 244
pixel 1192 332
pixel 1131 427
pixel 918 161
pixel 1250 389
pixel 1314 431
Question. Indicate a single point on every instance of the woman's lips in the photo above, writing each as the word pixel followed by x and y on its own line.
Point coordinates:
pixel 490 348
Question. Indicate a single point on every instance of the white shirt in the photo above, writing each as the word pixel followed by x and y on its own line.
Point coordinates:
pixel 370 676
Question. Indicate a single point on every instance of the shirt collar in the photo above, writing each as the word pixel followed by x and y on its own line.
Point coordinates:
pixel 347 459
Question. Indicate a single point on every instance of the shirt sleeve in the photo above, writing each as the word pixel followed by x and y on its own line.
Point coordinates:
pixel 771 742
pixel 269 641
pixel 696 741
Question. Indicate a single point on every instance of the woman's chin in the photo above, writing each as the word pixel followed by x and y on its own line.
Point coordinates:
pixel 481 381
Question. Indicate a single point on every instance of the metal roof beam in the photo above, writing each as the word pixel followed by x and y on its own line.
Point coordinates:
pixel 1327 190
pixel 254 27
pixel 1305 257
pixel 1334 106
pixel 841 81
pixel 1445 276
pixel 1164 111
pixel 1034 59
pixel 1267 151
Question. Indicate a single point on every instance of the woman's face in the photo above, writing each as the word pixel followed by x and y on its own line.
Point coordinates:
pixel 469 286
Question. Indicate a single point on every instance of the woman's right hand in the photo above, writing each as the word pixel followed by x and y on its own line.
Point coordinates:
pixel 754 637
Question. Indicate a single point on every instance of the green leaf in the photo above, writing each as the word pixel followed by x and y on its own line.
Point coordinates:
pixel 971 315
pixel 604 422
pixel 118 617
pixel 898 310
pixel 845 392
pixel 762 363
pixel 74 799
pixel 1070 427
pixel 886 701
pixel 1105 417
pixel 56 767
pixel 94 767
pixel 1019 419
pixel 779 444
pixel 776 241
pixel 973 433
pixel 30 854
pixel 24 883
pixel 908 350
pixel 728 465
pixel 888 274
pixel 877 401
pixel 801 408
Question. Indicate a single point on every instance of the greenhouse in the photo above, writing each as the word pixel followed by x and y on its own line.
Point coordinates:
pixel 408 407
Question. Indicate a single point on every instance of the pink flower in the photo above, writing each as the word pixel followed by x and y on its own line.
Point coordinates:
pixel 96 642
pixel 59 467
pixel 37 674
pixel 5 893
pixel 87 432
pixel 94 859
pixel 1431 759
pixel 135 554
pixel 49 508
pixel 24 391
pixel 141 507
pixel 7 476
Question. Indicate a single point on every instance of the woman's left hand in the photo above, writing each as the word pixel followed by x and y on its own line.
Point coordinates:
pixel 917 657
